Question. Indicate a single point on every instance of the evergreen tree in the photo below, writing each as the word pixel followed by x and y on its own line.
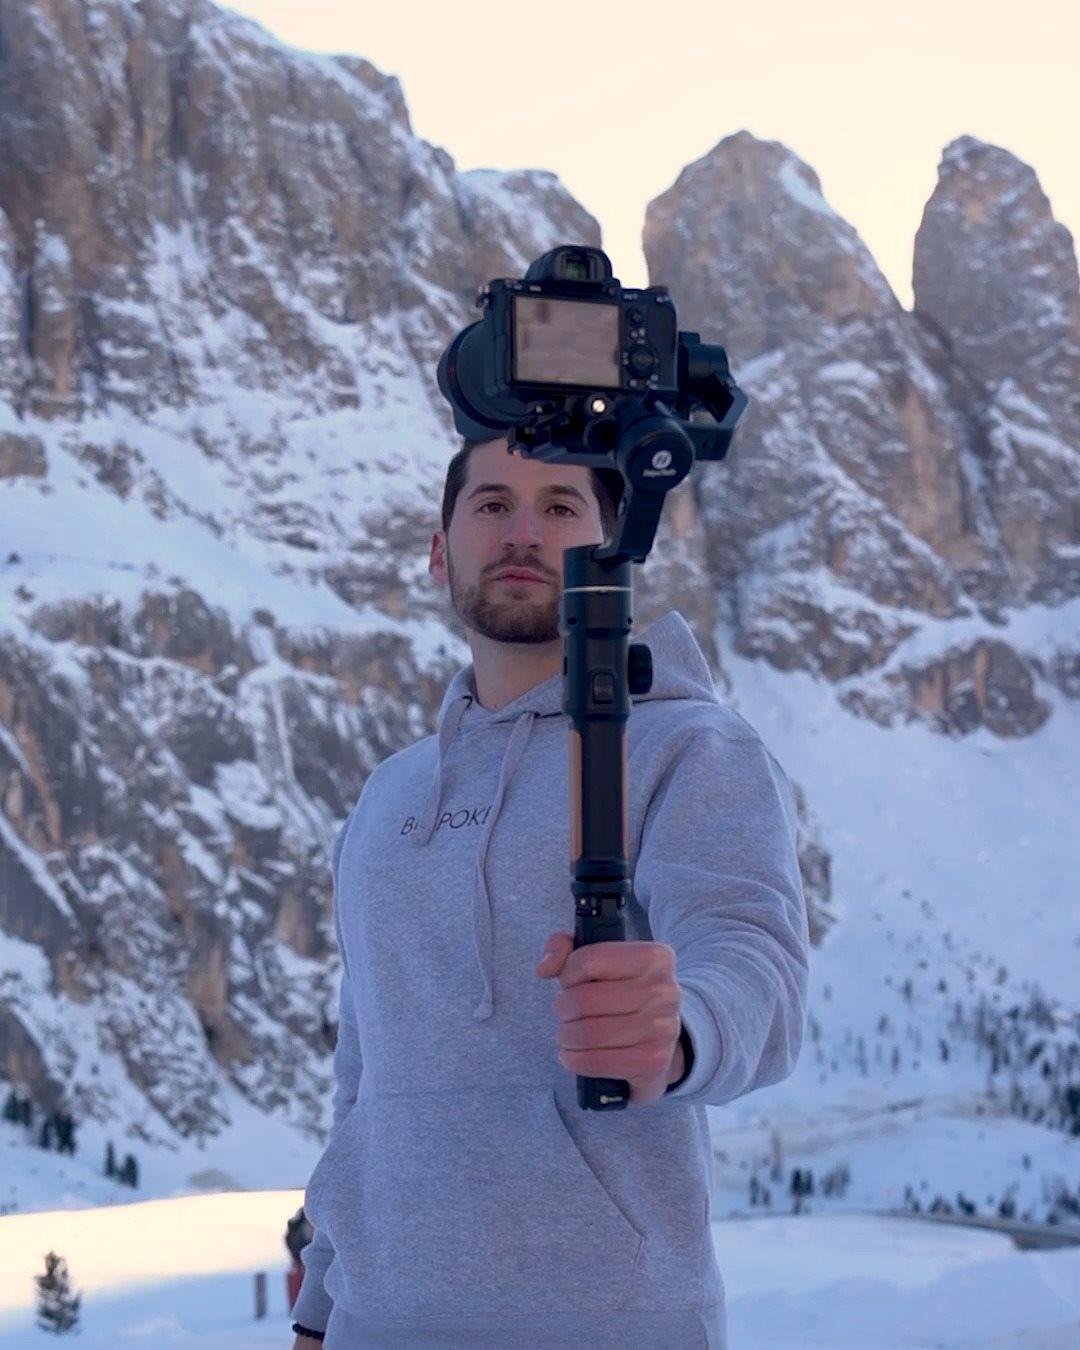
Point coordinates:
pixel 69 1133
pixel 26 1112
pixel 11 1106
pixel 58 1307
pixel 110 1160
pixel 45 1137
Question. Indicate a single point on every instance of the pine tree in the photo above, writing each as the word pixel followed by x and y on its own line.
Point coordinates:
pixel 62 1125
pixel 45 1137
pixel 110 1160
pixel 11 1106
pixel 58 1307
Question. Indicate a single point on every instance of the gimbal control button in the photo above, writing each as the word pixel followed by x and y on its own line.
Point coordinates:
pixel 603 687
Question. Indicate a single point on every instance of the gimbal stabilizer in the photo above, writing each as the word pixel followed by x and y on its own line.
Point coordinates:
pixel 582 371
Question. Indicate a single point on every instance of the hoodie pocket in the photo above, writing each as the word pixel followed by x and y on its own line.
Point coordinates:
pixel 470 1202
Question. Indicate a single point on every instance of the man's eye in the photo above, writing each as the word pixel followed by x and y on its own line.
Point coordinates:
pixel 558 506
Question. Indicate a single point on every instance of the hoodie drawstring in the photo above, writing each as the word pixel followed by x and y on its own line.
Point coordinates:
pixel 483 918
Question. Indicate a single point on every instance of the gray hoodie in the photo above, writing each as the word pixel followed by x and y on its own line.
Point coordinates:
pixel 464 1199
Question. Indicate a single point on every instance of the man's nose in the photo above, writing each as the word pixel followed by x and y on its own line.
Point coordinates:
pixel 523 527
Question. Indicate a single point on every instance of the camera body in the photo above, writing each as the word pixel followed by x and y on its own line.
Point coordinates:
pixel 557 331
pixel 563 342
pixel 566 359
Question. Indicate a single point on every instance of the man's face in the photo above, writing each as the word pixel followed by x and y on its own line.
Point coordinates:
pixel 513 513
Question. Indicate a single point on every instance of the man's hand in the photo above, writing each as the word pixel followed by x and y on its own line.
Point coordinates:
pixel 618 1012
pixel 307 1343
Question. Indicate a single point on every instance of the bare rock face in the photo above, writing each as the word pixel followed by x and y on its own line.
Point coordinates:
pixel 995 277
pixel 857 506
pixel 983 684
pixel 22 456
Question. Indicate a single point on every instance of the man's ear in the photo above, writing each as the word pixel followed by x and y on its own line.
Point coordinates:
pixel 437 559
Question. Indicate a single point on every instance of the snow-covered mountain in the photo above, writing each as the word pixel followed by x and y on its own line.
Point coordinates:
pixel 889 484
pixel 227 270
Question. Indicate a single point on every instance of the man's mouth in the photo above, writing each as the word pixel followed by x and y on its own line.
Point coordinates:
pixel 512 574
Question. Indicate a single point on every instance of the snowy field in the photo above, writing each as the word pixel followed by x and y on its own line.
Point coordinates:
pixel 181 1273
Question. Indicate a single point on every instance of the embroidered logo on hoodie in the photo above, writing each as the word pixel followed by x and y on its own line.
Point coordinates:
pixel 457 820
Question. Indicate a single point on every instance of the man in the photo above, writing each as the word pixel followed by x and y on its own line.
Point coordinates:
pixel 464 1199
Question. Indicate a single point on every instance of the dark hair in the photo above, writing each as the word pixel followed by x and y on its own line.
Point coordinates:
pixel 607 486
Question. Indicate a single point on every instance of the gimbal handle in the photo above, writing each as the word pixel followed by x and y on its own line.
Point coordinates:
pixel 600 671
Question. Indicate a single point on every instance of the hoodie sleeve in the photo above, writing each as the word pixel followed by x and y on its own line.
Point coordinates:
pixel 313 1304
pixel 718 874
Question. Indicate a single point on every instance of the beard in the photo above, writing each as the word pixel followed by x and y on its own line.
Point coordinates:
pixel 526 615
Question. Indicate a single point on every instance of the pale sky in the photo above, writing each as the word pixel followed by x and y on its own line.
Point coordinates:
pixel 867 94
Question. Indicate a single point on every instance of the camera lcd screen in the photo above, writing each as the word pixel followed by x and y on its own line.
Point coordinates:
pixel 566 342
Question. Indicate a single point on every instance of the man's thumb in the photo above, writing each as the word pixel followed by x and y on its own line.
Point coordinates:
pixel 556 950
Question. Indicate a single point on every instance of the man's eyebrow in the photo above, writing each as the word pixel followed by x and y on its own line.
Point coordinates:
pixel 558 489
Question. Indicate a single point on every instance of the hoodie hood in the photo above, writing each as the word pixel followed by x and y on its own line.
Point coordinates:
pixel 680 671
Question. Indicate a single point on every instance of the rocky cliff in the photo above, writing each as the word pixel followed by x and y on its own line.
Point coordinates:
pixel 227 270
pixel 902 480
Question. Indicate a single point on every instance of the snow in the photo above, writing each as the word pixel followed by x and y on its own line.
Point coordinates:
pixel 180 1272
pixel 32 860
pixel 1004 434
pixel 1012 398
pixel 793 183
pixel 52 250
pixel 851 372
pixel 241 789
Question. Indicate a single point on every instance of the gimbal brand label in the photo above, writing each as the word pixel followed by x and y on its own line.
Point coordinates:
pixel 661 466
pixel 456 820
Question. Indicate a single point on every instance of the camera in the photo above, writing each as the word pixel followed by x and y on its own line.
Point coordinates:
pixel 579 369
pixel 558 350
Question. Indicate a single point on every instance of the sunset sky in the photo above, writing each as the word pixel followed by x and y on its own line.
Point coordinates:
pixel 868 95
